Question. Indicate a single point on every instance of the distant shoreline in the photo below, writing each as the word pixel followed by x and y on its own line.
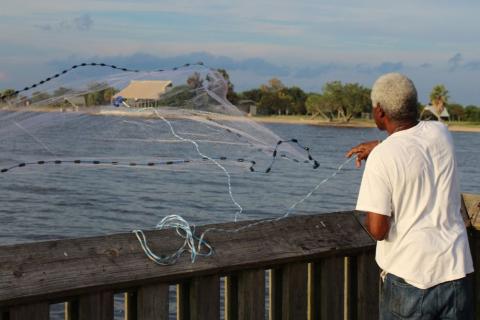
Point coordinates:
pixel 354 123
pixel 295 120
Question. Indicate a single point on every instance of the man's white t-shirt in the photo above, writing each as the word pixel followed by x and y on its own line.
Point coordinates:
pixel 411 177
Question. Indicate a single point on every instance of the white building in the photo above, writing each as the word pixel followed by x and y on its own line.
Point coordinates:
pixel 144 93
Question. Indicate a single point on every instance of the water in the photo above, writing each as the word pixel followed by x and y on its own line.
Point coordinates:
pixel 65 201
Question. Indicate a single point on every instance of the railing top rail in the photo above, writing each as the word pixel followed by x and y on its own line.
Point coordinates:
pixel 56 269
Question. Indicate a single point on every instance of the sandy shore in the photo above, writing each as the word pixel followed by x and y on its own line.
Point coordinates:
pixel 297 120
pixel 352 124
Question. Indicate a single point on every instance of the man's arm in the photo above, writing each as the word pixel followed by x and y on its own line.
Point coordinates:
pixel 377 225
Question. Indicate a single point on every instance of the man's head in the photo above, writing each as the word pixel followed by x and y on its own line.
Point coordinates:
pixel 396 96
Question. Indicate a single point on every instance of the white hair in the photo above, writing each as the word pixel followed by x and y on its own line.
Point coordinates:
pixel 397 96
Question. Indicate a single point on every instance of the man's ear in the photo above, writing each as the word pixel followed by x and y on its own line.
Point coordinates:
pixel 380 111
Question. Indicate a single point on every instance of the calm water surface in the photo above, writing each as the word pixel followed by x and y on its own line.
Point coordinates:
pixel 51 202
pixel 65 201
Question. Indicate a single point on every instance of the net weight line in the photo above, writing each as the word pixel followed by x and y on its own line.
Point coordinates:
pixel 120 163
pixel 174 221
pixel 4 97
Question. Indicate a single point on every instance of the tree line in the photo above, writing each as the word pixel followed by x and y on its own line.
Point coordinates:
pixel 337 101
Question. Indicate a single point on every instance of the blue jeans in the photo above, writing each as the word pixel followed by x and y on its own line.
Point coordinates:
pixel 448 300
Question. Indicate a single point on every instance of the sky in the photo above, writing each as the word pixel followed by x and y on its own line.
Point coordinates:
pixel 304 42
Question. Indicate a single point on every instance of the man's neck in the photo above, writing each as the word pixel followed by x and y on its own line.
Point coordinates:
pixel 393 127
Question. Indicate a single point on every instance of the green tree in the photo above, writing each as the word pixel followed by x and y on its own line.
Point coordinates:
pixel 318 105
pixel 332 93
pixel 456 111
pixel 108 94
pixel 99 94
pixel 298 97
pixel 253 94
pixel 472 113
pixel 274 98
pixel 343 101
pixel 178 96
pixel 10 93
pixel 269 103
pixel 273 85
pixel 355 100
pixel 39 96
pixel 61 91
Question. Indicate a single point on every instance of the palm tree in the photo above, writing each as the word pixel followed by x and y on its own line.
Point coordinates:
pixel 439 98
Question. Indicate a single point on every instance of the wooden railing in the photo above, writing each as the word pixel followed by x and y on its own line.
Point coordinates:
pixel 303 267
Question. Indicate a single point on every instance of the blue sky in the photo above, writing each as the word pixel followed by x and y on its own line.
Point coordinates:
pixel 303 42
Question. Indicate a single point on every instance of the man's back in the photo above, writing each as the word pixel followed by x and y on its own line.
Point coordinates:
pixel 411 176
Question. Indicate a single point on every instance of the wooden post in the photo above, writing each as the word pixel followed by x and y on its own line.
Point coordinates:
pixel 275 294
pixel 474 237
pixel 205 298
pixel 71 310
pixel 37 311
pixel 294 291
pixel 231 297
pixel 183 301
pixel 328 288
pixel 96 306
pixel 364 294
pixel 471 214
pixel 130 305
pixel 152 302
pixel 251 294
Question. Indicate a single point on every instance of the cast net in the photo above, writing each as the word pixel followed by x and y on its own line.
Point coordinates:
pixel 101 149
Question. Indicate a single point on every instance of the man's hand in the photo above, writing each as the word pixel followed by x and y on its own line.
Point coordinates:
pixel 362 151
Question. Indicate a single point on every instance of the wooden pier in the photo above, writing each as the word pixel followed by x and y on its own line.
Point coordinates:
pixel 302 267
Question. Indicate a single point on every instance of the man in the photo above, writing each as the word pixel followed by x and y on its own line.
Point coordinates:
pixel 410 192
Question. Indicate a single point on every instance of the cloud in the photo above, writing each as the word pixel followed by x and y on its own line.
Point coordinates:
pixel 426 65
pixel 315 71
pixel 455 62
pixel 83 22
pixel 472 65
pixel 384 67
pixel 3 76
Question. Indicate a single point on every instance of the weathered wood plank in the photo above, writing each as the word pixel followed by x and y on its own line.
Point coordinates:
pixel 56 269
pixel 152 302
pixel 251 294
pixel 275 294
pixel 96 306
pixel 38 311
pixel 294 291
pixel 367 278
pixel 471 209
pixel 130 305
pixel 328 288
pixel 71 310
pixel 205 298
pixel 474 237
pixel 231 297
pixel 183 301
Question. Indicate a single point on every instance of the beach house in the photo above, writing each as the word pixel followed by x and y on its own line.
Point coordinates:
pixel 144 93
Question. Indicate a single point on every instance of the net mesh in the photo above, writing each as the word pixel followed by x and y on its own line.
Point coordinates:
pixel 117 149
